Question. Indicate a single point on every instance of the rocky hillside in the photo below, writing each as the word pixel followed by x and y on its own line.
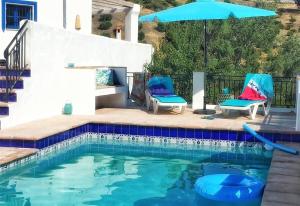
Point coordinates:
pixel 288 14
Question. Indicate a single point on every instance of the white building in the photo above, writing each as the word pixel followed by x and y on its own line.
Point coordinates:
pixel 62 14
pixel 59 34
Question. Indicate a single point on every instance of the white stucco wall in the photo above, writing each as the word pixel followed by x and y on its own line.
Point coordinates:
pixel 51 13
pixel 83 8
pixel 5 38
pixel 50 84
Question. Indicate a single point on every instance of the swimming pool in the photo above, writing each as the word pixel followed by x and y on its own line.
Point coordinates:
pixel 112 172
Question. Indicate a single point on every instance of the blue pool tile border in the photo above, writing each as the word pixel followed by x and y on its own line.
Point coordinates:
pixel 150 131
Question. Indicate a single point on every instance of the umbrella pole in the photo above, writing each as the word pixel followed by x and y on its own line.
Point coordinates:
pixel 205 44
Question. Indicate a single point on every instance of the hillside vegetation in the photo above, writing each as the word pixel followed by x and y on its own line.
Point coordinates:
pixel 235 46
pixel 289 16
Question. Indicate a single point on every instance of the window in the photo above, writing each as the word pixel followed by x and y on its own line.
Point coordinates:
pixel 13 11
pixel 16 13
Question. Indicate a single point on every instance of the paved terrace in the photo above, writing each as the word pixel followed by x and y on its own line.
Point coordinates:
pixel 10 154
pixel 283 186
pixel 275 122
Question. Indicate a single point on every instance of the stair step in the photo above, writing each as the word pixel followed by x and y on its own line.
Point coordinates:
pixel 4 109
pixel 2 62
pixel 26 72
pixel 12 97
pixel 4 78
pixel 18 85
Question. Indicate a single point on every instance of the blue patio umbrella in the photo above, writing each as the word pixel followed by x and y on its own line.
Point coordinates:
pixel 206 10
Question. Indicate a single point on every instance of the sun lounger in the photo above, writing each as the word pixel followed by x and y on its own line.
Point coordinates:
pixel 257 91
pixel 160 93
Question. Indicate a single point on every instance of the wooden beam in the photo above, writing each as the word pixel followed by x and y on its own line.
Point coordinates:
pixel 109 10
pixel 101 5
pixel 111 6
pixel 115 2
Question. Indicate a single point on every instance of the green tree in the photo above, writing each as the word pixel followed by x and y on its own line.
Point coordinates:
pixel 105 17
pixel 234 46
pixel 161 27
pixel 105 25
pixel 141 36
pixel 286 61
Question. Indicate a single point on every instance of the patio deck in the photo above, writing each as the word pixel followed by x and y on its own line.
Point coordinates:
pixel 283 185
pixel 275 122
pixel 10 154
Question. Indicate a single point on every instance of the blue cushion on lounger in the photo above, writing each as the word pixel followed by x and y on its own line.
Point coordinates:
pixel 161 82
pixel 160 91
pixel 238 103
pixel 169 99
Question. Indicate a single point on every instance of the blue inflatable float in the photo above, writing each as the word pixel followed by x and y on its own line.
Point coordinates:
pixel 269 143
pixel 229 187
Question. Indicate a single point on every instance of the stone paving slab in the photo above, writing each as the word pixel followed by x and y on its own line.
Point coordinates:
pixel 10 154
pixel 281 198
pixel 292 171
pixel 283 184
pixel 275 122
pixel 271 203
pixel 42 128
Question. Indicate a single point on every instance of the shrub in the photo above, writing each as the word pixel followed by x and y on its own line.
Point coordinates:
pixel 290 33
pixel 161 27
pixel 281 26
pixel 288 26
pixel 105 25
pixel 107 34
pixel 141 36
pixel 265 5
pixel 105 17
pixel 172 2
pixel 292 20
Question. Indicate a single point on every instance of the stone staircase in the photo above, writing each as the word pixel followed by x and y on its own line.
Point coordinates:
pixel 12 97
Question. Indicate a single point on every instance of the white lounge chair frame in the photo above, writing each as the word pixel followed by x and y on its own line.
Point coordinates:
pixel 252 108
pixel 152 101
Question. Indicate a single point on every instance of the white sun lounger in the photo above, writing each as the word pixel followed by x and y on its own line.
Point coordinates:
pixel 157 101
pixel 244 105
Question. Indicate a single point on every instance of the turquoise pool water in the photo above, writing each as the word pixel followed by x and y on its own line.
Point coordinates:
pixel 109 174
